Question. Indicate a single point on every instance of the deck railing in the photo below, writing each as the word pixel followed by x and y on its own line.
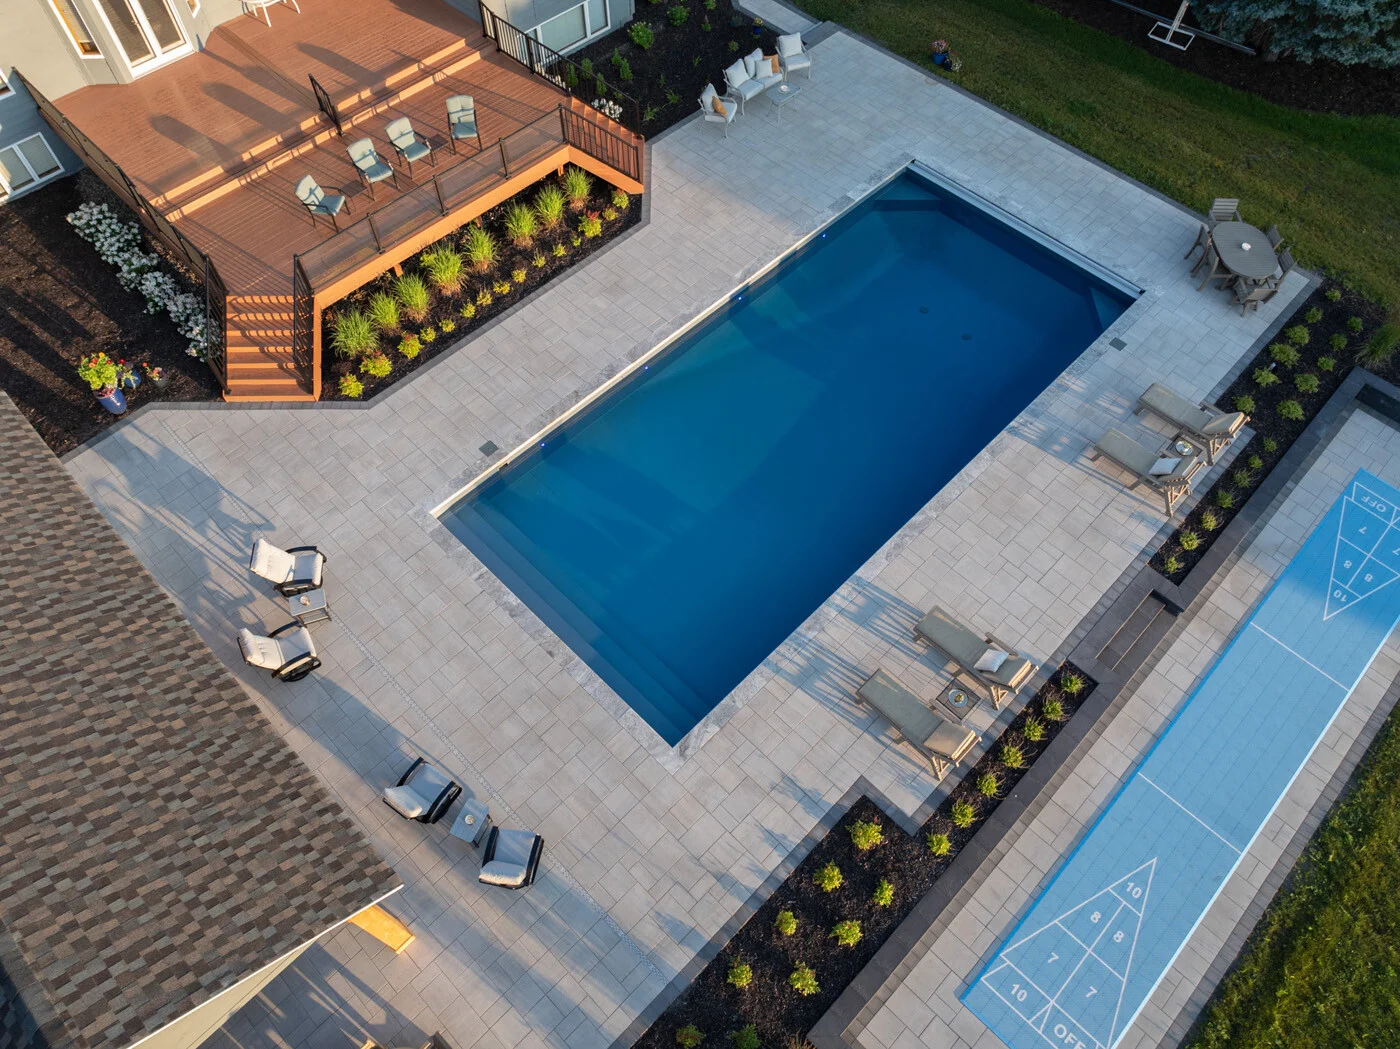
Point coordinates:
pixel 564 73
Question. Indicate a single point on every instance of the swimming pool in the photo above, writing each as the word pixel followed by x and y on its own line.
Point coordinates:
pixel 679 529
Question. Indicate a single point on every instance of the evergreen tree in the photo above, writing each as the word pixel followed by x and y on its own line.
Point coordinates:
pixel 1352 32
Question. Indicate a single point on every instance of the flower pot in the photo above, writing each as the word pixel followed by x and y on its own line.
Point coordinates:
pixel 758 30
pixel 112 400
pixel 940 58
pixel 161 383
pixel 130 382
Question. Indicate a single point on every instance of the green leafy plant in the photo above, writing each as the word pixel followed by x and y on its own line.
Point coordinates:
pixel 1033 730
pixel 1326 364
pixel 1209 521
pixel 575 239
pixel 610 213
pixel 1291 410
pixel 1337 342
pixel 620 199
pixel 353 335
pixel 866 835
pixel 1171 565
pixel 988 785
pixel 428 334
pixel 677 15
pixel 1313 315
pixel 1332 294
pixel 590 225
pixel 448 325
pixel 1285 354
pixel 577 185
pixel 649 114
pixel 939 845
pixel 521 225
pixel 1244 403
pixel 1254 462
pixel 559 251
pixel 502 287
pixel 571 76
pixel 962 814
pixel 1306 383
pixel 733 45
pixel 1264 377
pixel 1012 756
pixel 601 86
pixel 710 5
pixel 413 296
pixel 803 980
pixel 1270 445
pixel 468 310
pixel 539 261
pixel 1052 709
pixel 828 877
pixel 1242 479
pixel 624 71
pixel 1381 346
pixel 587 66
pixel 376 365
pixel 483 298
pixel 1225 498
pixel 549 206
pixel 1354 325
pixel 745 1037
pixel 410 346
pixel 350 386
pixel 785 923
pixel 672 96
pixel 883 895
pixel 99 371
pixel 1188 539
pixel 1071 684
pixel 1298 335
pixel 383 311
pixel 740 974
pixel 480 248
pixel 518 275
pixel 846 933
pixel 444 267
pixel 642 35
pixel 689 1036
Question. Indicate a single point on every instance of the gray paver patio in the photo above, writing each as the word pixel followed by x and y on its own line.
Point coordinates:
pixel 649 849
pixel 922 1008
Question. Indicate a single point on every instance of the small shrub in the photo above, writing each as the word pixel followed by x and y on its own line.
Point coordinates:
pixel 575 239
pixel 963 814
pixel 672 96
pixel 549 206
pixel 483 298
pixel 1291 410
pixel 410 346
pixel 444 268
pixel 1242 479
pixel 1326 364
pixel 828 877
pixel 1284 354
pixel 577 185
pixel 1270 445
pixel 1071 684
pixel 610 213
pixel 620 199
pixel 1052 709
pixel 383 311
pixel 1381 347
pixel 1313 315
pixel 376 365
pixel 1354 325
pixel 745 1038
pixel 624 70
pixel 413 296
pixel 740 974
pixel 677 15
pixel 1034 730
pixel 1338 342
pixel 1264 377
pixel 590 225
pixel 1244 403
pixel 468 310
pixel 1298 335
pixel 988 785
pixel 1188 539
pixel 1333 294
pixel 939 845
pixel 448 325
pixel 571 76
pixel 502 287
pixel 649 114
pixel 1171 565
pixel 803 980
pixel 354 335
pixel 710 5
pixel 350 386
pixel 518 275
pixel 539 261
pixel 689 1036
pixel 883 895
pixel 600 87
pixel 1306 383
pixel 428 334
pixel 785 923
pixel 866 835
pixel 1254 462
pixel 1225 498
pixel 480 248
pixel 733 45
pixel 846 933
pixel 521 225
pixel 587 66
pixel 1209 521
pixel 560 251
pixel 1012 756
pixel 642 35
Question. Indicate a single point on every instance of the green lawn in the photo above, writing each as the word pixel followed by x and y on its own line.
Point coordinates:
pixel 1331 183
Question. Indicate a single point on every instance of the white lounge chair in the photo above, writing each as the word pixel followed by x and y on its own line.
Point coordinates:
pixel 1210 425
pixel 717 108
pixel 423 793
pixel 292 571
pixel 511 859
pixel 290 656
pixel 791 55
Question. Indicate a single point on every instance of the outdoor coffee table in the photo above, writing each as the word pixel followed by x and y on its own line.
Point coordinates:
pixel 309 607
pixel 782 95
pixel 957 699
pixel 1255 262
pixel 472 822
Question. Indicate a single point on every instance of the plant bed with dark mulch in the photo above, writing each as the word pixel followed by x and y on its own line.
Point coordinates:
pixel 1282 389
pixel 61 303
pixel 484 294
pixel 667 76
pixel 716 1007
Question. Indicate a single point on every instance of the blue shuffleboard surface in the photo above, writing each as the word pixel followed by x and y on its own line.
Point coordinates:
pixel 1085 958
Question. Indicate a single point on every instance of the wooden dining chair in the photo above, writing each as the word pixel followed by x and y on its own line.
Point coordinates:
pixel 1202 239
pixel 1225 209
pixel 1216 271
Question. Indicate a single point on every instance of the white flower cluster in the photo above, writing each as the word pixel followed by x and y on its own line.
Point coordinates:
pixel 608 108
pixel 119 243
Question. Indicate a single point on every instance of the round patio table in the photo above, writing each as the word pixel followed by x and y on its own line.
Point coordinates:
pixel 1256 263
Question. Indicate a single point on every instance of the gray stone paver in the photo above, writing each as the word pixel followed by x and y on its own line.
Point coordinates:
pixel 957 946
pixel 650 850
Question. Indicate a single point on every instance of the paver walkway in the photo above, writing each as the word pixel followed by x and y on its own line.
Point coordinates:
pixel 650 850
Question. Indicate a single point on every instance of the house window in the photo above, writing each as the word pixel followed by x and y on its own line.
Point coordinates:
pixel 570 28
pixel 77 28
pixel 26 163
pixel 145 29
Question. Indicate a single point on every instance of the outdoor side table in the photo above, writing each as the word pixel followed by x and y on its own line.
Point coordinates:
pixel 785 93
pixel 1253 263
pixel 309 607
pixel 958 700
pixel 472 822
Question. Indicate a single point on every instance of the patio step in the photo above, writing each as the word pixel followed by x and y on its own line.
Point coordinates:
pixel 259 365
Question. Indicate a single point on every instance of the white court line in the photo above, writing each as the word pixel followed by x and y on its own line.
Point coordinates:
pixel 1040 1031
pixel 1081 943
pixel 1305 659
pixel 1022 973
pixel 1228 844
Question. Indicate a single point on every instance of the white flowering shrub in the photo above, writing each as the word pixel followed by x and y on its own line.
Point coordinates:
pixel 609 108
pixel 119 244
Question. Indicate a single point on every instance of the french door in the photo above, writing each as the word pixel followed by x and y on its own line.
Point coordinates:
pixel 146 29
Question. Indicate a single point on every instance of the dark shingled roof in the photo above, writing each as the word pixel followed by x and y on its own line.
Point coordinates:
pixel 159 841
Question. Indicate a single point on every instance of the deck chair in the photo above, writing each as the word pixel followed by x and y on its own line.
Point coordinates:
pixel 461 120
pixel 319 202
pixel 368 165
pixel 1215 269
pixel 994 664
pixel 1210 425
pixel 288 652
pixel 292 571
pixel 1285 266
pixel 717 108
pixel 792 56
pixel 1275 237
pixel 407 143
pixel 942 743
pixel 1225 209
pixel 1202 241
pixel 511 858
pixel 1173 479
pixel 423 793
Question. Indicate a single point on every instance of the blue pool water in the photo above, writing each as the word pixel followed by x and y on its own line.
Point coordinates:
pixel 679 530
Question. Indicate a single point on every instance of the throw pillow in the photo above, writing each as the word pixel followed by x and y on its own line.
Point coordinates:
pixel 752 61
pixel 774 69
pixel 719 106
pixel 1163 466
pixel 790 44
pixel 737 73
pixel 991 661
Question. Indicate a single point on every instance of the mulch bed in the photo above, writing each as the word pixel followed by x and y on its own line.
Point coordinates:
pixel 779 1013
pixel 60 302
pixel 668 77
pixel 1323 85
pixel 447 307
pixel 1273 434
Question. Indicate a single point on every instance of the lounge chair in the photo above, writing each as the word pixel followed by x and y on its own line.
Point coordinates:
pixel 461 120
pixel 319 202
pixel 1225 209
pixel 1210 425
pixel 423 793
pixel 511 858
pixel 1172 476
pixel 741 84
pixel 292 571
pixel 290 657
pixel 368 165
pixel 717 108
pixel 407 143
pixel 998 667
pixel 942 743
pixel 791 55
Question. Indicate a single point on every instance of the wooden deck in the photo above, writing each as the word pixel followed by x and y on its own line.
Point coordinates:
pixel 217 141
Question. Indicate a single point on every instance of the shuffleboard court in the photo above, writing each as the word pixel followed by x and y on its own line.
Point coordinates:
pixel 1085 958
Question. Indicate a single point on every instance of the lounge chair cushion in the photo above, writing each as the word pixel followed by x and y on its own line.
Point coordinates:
pixel 915 721
pixel 405 801
pixel 1164 466
pixel 790 44
pixel 260 651
pixel 751 61
pixel 952 637
pixel 1224 425
pixel 991 661
pixel 1123 449
pixel 507 875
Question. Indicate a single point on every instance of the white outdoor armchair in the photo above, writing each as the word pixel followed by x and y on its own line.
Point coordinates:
pixel 723 113
pixel 511 859
pixel 289 655
pixel 293 571
pixel 792 57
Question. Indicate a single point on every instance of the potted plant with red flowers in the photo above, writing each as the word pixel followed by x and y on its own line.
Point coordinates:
pixel 99 372
pixel 156 375
pixel 940 52
pixel 127 379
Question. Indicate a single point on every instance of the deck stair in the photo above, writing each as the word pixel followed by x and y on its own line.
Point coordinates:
pixel 260 364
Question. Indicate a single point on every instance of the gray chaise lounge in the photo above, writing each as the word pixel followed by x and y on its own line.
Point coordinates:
pixel 1002 677
pixel 1212 426
pixel 943 743
pixel 1140 460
